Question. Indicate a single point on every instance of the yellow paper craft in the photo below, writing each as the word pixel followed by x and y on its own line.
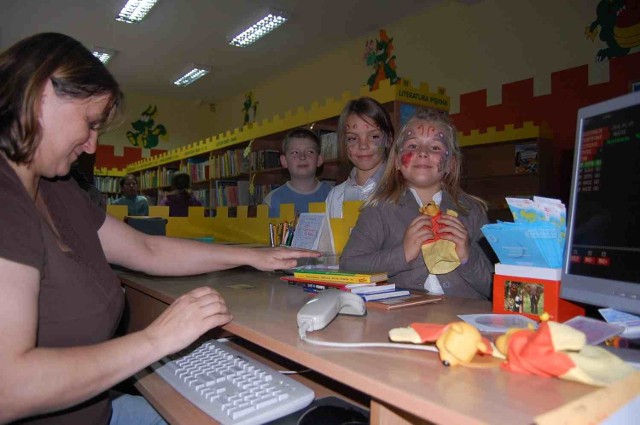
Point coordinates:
pixel 439 255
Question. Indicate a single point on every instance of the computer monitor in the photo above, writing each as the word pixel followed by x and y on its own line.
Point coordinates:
pixel 601 264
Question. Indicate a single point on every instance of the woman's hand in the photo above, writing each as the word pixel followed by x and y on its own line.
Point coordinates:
pixel 268 259
pixel 187 318
pixel 418 231
pixel 452 229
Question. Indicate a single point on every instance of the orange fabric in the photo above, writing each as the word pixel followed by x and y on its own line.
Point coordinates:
pixel 533 353
pixel 428 332
pixel 435 226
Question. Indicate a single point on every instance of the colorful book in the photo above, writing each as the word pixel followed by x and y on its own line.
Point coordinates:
pixel 385 295
pixel 413 299
pixel 340 276
pixel 340 285
pixel 373 289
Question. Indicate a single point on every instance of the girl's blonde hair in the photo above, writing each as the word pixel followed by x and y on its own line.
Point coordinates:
pixel 392 184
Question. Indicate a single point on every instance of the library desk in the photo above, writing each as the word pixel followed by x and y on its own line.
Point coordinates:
pixel 400 386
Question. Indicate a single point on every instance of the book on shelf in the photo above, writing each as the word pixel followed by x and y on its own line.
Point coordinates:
pixel 330 275
pixel 385 295
pixel 413 299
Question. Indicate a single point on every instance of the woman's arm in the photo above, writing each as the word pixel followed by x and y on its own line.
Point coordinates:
pixel 32 376
pixel 159 255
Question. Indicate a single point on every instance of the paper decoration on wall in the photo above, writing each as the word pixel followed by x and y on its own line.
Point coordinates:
pixel 377 55
pixel 249 106
pixel 618 24
pixel 146 133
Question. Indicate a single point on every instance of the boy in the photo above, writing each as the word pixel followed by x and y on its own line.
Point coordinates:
pixel 137 204
pixel 301 156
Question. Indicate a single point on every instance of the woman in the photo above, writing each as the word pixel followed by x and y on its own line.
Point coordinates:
pixel 59 300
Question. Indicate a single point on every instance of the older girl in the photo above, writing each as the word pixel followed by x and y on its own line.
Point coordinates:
pixel 424 165
pixel 365 131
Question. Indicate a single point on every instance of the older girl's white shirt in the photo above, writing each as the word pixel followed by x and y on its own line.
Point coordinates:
pixel 350 190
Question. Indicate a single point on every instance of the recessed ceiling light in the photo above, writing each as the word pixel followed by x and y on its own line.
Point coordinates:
pixel 191 74
pixel 263 26
pixel 135 10
pixel 103 54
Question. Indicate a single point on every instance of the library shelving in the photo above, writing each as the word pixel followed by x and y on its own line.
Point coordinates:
pixel 240 167
pixel 107 181
pixel 514 162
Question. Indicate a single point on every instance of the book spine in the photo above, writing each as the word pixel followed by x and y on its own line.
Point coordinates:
pixel 384 295
pixel 334 278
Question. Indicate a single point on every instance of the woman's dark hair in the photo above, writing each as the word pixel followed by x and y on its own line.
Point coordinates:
pixel 25 69
pixel 180 181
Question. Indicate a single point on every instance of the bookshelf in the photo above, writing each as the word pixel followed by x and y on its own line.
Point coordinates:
pixel 514 162
pixel 227 165
pixel 107 181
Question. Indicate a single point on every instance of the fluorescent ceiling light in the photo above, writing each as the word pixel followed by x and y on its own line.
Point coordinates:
pixel 191 74
pixel 272 20
pixel 103 54
pixel 135 10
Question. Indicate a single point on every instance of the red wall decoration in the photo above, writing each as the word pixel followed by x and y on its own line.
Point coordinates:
pixel 570 91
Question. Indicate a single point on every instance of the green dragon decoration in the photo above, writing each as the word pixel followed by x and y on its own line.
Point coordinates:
pixel 618 25
pixel 377 55
pixel 145 132
pixel 248 106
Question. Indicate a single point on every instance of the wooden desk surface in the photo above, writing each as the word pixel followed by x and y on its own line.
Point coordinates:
pixel 265 308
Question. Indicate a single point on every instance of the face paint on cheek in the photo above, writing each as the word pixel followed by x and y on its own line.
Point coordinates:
pixel 405 159
pixel 442 163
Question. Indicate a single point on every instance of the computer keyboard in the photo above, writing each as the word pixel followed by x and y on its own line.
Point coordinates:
pixel 232 388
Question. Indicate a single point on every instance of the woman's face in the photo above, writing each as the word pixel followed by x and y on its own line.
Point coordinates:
pixel 365 143
pixel 69 128
pixel 423 156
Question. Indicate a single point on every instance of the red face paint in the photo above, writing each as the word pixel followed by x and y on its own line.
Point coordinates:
pixel 405 159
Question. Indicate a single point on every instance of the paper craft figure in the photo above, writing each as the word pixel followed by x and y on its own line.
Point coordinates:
pixel 553 350
pixel 439 255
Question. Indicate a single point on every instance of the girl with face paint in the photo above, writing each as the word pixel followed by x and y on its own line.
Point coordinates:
pixel 424 165
pixel 365 131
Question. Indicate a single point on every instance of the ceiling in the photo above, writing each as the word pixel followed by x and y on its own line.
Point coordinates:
pixel 177 33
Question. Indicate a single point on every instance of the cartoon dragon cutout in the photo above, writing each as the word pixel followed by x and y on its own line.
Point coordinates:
pixel 618 25
pixel 377 55
pixel 249 105
pixel 145 132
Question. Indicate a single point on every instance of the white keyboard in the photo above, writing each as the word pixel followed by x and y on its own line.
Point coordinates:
pixel 232 388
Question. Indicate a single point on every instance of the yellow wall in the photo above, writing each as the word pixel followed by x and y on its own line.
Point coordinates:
pixel 244 229
pixel 460 47
pixel 186 121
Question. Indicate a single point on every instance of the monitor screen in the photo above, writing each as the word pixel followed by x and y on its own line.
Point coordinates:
pixel 601 264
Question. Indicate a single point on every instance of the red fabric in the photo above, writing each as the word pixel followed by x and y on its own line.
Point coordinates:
pixel 533 353
pixel 428 332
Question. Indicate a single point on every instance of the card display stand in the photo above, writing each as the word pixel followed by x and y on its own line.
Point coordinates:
pixel 531 291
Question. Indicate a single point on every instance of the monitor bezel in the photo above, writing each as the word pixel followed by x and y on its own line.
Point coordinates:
pixel 617 294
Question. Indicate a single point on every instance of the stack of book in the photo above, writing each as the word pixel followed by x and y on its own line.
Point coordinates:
pixel 370 286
